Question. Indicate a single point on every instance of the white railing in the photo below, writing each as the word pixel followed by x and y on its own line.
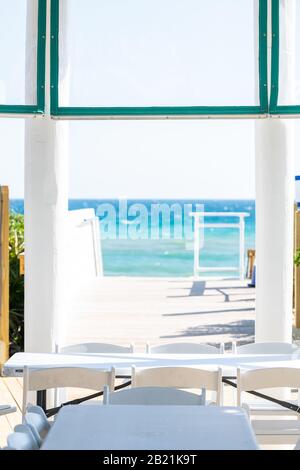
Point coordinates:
pixel 198 224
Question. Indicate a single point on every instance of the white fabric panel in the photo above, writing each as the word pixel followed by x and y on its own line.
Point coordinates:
pixel 153 53
pixel 13 56
pixel 289 50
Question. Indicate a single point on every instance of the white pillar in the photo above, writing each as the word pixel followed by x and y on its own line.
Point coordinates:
pixel 275 152
pixel 46 205
pixel 274 229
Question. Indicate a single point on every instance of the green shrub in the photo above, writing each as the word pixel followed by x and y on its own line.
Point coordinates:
pixel 297 258
pixel 16 283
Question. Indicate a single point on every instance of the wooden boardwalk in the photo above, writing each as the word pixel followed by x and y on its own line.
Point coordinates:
pixel 158 310
pixel 10 393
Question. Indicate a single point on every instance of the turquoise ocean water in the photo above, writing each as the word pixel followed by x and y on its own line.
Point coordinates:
pixel 167 256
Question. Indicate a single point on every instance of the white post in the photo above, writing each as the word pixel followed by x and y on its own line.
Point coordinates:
pixel 274 229
pixel 46 205
pixel 196 246
pixel 242 248
pixel 274 217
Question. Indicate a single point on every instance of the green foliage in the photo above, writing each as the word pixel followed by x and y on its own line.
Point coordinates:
pixel 16 283
pixel 297 258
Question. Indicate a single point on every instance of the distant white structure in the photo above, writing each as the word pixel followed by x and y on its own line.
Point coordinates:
pixel 84 257
pixel 199 223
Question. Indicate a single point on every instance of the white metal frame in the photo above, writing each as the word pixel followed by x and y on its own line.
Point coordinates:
pixel 240 226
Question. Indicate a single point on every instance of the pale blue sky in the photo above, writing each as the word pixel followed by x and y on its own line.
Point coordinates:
pixel 168 159
pixel 144 159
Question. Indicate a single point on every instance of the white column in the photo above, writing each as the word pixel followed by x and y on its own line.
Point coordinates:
pixel 46 205
pixel 275 152
pixel 274 229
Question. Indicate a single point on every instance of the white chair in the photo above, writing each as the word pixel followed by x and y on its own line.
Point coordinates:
pixel 88 348
pixel 6 409
pixel 297 446
pixel 180 377
pixel 264 408
pixel 22 439
pixel 74 377
pixel 32 425
pixel 269 431
pixel 95 348
pixel 24 428
pixel 265 348
pixel 36 419
pixel 41 413
pixel 184 348
pixel 151 396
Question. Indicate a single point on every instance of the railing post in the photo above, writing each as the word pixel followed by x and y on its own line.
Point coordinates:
pixel 4 274
pixel 242 248
pixel 196 246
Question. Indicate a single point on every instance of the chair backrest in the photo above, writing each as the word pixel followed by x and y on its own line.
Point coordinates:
pixel 95 348
pixel 297 446
pixel 265 348
pixel 37 423
pixel 75 377
pixel 264 378
pixel 38 410
pixel 151 396
pixel 179 377
pixel 22 439
pixel 184 348
pixel 33 429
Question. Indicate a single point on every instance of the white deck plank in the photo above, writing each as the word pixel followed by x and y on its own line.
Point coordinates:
pixel 124 310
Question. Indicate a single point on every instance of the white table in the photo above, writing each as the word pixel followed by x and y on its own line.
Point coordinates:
pixel 131 427
pixel 123 362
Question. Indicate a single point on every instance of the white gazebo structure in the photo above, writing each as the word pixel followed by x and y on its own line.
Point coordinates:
pixel 47 145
